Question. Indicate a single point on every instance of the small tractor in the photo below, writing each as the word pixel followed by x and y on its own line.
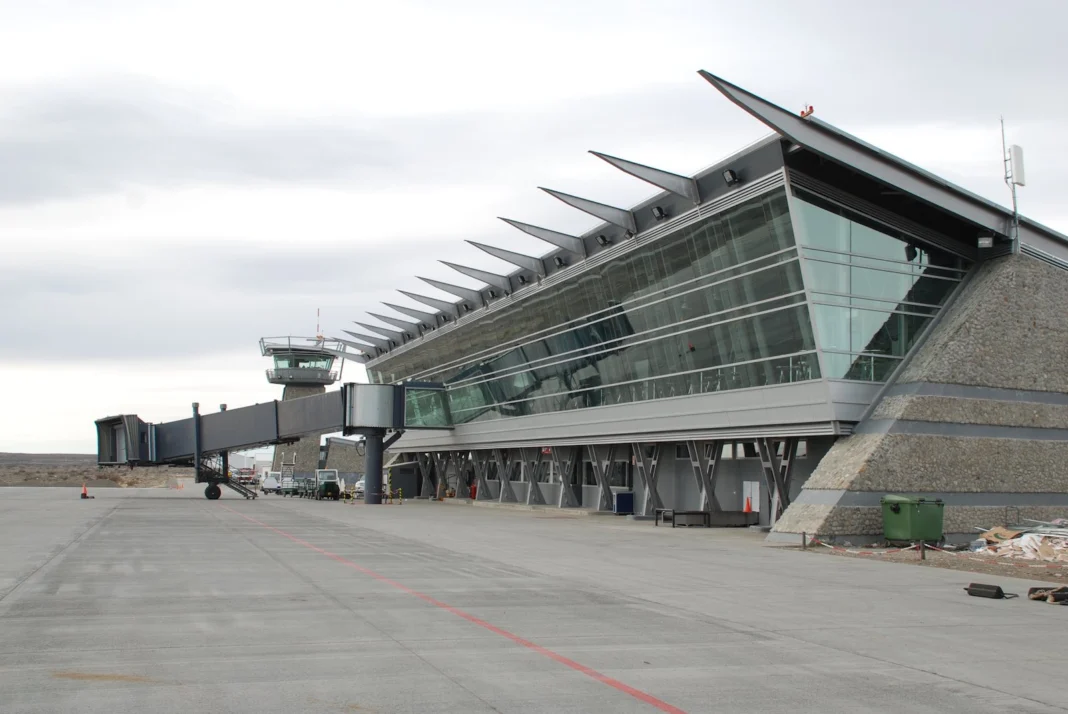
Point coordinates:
pixel 326 485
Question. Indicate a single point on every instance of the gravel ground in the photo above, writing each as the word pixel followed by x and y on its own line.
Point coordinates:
pixel 76 469
pixel 965 561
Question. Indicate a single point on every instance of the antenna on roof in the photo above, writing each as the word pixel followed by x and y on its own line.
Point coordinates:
pixel 318 332
pixel 807 111
pixel 1012 156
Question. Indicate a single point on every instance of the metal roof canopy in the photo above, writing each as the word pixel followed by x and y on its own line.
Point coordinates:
pixel 808 132
pixel 835 144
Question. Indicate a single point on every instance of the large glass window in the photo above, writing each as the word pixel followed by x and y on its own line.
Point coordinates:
pixel 293 361
pixel 873 289
pixel 717 305
pixel 426 408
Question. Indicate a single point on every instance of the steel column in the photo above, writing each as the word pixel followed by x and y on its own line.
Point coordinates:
pixel 441 468
pixel 425 467
pixel 504 475
pixel 646 469
pixel 532 459
pixel 373 466
pixel 601 457
pixel 773 476
pixel 463 474
pixel 481 459
pixel 786 475
pixel 705 460
pixel 197 455
pixel 566 465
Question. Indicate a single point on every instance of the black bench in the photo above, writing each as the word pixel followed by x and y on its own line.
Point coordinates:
pixel 660 514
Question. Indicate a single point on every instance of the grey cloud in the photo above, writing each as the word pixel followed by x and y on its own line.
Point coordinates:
pixel 188 299
pixel 95 137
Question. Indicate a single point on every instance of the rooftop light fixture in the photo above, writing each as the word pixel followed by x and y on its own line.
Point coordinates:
pixel 603 240
pixel 730 177
pixel 560 262
pixel 911 252
pixel 658 213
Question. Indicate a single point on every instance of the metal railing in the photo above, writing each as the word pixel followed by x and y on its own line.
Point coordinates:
pixel 305 344
pixel 317 376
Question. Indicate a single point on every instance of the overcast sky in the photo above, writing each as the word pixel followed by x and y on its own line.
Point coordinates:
pixel 178 179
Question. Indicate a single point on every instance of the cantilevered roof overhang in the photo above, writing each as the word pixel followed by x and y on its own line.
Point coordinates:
pixel 816 140
pixel 837 145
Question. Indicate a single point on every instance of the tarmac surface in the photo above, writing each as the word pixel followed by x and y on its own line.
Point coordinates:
pixel 153 600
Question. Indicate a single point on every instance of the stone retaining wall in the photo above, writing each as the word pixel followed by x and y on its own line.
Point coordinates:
pixel 973 411
pixel 1007 330
pixel 851 521
pixel 920 462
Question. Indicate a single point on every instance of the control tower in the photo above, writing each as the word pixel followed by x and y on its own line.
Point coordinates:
pixel 304 365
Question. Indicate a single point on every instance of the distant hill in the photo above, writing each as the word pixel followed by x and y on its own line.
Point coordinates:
pixel 11 459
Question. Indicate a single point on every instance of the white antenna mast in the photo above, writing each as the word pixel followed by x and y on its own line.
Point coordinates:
pixel 1012 156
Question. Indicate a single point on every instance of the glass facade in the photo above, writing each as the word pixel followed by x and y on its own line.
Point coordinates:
pixel 426 408
pixel 296 361
pixel 872 289
pixel 717 305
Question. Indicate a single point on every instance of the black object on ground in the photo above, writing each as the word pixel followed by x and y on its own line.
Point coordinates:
pixel 991 591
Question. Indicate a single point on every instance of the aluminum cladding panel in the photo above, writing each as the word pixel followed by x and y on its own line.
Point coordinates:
pixel 174 440
pixel 308 415
pixel 237 428
pixel 373 406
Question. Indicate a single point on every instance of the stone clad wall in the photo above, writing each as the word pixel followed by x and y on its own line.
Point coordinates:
pixel 979 417
pixel 941 464
pixel 307 447
pixel 1007 330
pixel 344 457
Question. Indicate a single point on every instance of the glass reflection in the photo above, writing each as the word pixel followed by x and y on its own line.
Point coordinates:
pixel 873 291
pixel 717 305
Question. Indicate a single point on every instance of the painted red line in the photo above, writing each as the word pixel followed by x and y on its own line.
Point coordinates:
pixel 556 657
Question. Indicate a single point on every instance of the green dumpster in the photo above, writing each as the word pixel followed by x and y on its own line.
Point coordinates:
pixel 909 519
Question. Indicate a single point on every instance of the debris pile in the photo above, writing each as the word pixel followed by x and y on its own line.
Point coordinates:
pixel 1047 542
pixel 1050 594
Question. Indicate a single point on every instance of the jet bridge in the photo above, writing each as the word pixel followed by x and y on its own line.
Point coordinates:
pixel 379 412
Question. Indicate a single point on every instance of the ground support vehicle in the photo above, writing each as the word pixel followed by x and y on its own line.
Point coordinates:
pixel 326 485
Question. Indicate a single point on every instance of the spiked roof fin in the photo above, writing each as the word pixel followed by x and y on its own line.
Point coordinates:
pixel 443 305
pixel 527 262
pixel 395 335
pixel 616 216
pixel 499 281
pixel 378 342
pixel 422 316
pixel 679 185
pixel 461 292
pixel 561 240
pixel 405 325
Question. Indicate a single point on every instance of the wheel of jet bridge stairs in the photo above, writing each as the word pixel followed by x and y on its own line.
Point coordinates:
pixel 212 492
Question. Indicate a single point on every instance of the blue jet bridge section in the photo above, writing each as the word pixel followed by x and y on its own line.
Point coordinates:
pixel 204 440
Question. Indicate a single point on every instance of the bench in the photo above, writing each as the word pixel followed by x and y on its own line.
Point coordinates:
pixel 661 514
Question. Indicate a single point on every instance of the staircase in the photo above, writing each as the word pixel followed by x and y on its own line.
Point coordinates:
pixel 211 471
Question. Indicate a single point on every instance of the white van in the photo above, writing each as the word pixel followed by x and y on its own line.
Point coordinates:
pixel 272 482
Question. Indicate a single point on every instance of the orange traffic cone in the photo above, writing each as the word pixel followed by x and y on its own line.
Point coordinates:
pixel 85 491
pixel 748 505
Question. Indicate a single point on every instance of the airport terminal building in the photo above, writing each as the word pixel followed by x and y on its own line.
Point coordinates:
pixel 782 338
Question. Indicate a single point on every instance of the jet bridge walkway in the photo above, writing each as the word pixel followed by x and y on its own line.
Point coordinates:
pixel 204 441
